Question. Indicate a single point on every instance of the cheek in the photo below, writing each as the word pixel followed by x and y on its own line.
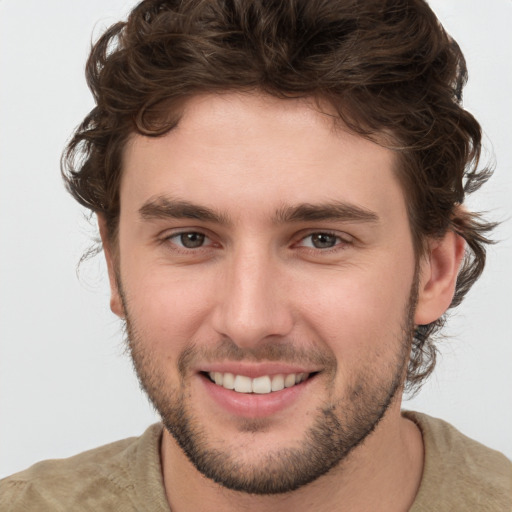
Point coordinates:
pixel 360 311
pixel 166 307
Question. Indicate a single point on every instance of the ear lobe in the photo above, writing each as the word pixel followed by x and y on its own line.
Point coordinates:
pixel 438 277
pixel 116 304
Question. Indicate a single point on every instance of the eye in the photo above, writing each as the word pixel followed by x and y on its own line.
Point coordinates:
pixel 189 239
pixel 321 240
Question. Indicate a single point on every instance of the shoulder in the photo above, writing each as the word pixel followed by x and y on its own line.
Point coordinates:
pixel 98 479
pixel 460 473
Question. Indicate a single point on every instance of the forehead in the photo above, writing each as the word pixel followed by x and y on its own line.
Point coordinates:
pixel 232 150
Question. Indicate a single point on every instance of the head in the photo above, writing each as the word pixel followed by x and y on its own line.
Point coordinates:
pixel 384 76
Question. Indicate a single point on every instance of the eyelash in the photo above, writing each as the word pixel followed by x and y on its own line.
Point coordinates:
pixel 341 242
pixel 181 248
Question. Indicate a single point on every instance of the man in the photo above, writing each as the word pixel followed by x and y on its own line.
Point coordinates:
pixel 279 189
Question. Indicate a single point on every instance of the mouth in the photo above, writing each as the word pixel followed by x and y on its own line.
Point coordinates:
pixel 261 385
pixel 257 391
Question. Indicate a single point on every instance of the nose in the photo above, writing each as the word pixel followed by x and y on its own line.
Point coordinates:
pixel 252 305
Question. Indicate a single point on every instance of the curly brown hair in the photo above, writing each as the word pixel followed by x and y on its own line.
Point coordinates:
pixel 386 66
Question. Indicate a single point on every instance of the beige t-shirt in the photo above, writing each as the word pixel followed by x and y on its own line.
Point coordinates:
pixel 459 475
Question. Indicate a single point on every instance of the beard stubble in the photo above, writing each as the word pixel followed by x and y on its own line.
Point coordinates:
pixel 340 425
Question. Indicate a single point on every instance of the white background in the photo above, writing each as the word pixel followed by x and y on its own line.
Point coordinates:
pixel 65 384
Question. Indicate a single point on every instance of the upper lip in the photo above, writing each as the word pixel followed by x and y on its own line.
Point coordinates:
pixel 254 370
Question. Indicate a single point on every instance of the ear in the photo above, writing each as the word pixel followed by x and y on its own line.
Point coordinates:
pixel 438 276
pixel 116 304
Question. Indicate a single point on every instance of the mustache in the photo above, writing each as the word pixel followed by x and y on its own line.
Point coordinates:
pixel 228 350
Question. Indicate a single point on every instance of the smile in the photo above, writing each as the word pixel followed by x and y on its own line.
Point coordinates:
pixel 259 385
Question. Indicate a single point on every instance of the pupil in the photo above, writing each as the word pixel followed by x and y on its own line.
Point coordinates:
pixel 192 240
pixel 323 240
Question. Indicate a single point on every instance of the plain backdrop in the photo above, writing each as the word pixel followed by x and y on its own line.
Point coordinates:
pixel 66 384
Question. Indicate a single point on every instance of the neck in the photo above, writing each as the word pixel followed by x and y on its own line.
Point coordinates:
pixel 383 473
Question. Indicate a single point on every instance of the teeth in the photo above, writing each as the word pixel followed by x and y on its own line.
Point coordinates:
pixel 260 385
pixel 289 380
pixel 300 377
pixel 228 381
pixel 243 384
pixel 278 383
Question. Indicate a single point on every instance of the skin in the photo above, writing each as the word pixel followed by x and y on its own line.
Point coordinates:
pixel 259 282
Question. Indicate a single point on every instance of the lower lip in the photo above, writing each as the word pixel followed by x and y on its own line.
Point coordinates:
pixel 254 405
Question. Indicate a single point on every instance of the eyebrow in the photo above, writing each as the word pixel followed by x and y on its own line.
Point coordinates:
pixel 332 211
pixel 165 208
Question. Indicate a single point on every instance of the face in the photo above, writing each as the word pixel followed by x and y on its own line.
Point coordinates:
pixel 266 273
